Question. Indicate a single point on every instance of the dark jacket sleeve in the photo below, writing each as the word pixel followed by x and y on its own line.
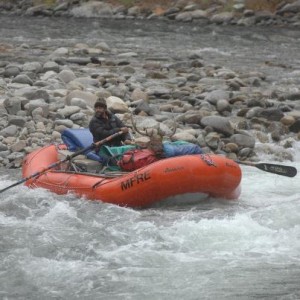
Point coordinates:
pixel 120 124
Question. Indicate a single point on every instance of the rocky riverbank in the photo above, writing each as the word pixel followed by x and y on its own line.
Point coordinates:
pixel 221 12
pixel 222 110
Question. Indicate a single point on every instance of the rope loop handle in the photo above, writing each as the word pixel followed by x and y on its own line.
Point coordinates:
pixel 207 159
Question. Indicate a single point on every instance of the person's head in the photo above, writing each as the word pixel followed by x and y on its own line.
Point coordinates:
pixel 100 108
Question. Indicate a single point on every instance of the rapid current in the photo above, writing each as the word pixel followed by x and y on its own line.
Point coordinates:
pixel 61 247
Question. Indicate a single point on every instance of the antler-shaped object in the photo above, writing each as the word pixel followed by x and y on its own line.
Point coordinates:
pixel 155 135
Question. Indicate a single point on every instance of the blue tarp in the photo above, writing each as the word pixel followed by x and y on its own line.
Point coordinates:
pixel 179 149
pixel 76 139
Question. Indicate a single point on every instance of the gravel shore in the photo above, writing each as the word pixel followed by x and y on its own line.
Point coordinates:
pixel 222 110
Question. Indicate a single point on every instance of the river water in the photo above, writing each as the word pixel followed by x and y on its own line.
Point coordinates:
pixel 61 247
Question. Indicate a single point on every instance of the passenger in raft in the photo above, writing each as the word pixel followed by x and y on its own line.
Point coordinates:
pixel 104 123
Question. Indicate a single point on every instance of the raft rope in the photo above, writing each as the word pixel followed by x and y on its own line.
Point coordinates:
pixel 207 159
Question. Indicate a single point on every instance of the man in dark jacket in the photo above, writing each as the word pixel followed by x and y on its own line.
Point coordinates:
pixel 104 123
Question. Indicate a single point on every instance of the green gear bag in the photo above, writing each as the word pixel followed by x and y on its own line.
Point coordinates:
pixel 111 155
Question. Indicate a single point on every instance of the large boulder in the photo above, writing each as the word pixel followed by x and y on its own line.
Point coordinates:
pixel 219 124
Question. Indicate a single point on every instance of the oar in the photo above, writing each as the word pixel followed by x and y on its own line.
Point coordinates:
pixel 272 168
pixel 69 157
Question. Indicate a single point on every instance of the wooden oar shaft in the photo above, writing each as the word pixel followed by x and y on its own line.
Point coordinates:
pixel 34 175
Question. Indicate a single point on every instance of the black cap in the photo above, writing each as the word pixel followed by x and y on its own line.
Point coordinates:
pixel 100 103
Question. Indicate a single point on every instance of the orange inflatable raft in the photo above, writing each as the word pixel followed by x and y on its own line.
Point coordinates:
pixel 213 175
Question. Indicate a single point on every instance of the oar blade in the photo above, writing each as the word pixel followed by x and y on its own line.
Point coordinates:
pixel 277 169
